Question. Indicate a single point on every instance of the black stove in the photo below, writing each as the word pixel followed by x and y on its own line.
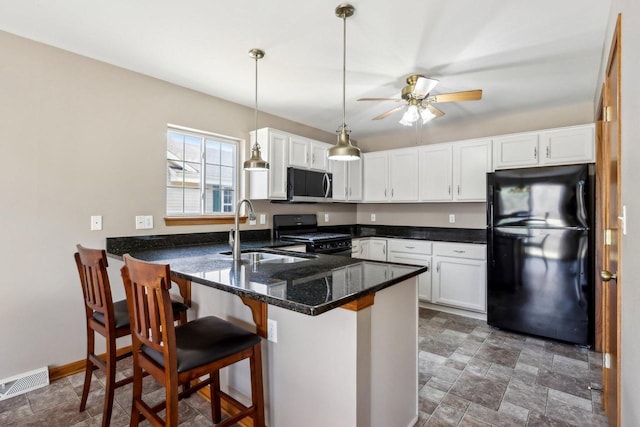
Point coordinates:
pixel 304 229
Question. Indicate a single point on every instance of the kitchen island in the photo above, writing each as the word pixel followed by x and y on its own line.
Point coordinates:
pixel 342 350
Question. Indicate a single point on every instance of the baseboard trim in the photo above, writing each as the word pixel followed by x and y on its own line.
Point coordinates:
pixel 59 372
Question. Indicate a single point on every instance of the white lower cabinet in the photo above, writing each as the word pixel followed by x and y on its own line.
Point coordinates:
pixel 459 276
pixel 377 249
pixel 417 252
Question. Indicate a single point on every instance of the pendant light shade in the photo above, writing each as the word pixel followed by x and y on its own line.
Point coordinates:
pixel 343 150
pixel 255 162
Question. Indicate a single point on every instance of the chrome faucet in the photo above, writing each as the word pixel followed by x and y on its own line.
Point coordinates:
pixel 234 233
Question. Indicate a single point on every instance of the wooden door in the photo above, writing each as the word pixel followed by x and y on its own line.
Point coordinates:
pixel 611 255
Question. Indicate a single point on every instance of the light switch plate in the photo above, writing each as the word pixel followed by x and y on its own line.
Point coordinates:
pixel 139 222
pixel 148 221
pixel 272 330
pixel 373 217
pixel 452 219
pixel 96 222
pixel 326 217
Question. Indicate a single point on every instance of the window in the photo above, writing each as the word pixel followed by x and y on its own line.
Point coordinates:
pixel 201 173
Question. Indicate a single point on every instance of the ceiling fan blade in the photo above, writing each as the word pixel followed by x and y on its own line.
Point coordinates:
pixel 423 86
pixel 467 95
pixel 380 99
pixel 388 113
pixel 435 111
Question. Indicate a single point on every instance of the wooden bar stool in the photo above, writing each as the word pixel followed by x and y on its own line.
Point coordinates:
pixel 109 319
pixel 176 355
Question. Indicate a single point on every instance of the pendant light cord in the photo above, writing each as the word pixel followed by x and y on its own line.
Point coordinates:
pixel 256 145
pixel 344 70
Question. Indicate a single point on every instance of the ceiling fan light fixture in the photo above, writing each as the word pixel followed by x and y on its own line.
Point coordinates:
pixel 343 150
pixel 256 162
pixel 427 115
pixel 410 116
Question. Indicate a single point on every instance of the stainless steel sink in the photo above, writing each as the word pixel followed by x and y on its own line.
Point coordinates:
pixel 262 257
pixel 255 257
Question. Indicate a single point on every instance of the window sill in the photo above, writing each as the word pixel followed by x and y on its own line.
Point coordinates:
pixel 201 220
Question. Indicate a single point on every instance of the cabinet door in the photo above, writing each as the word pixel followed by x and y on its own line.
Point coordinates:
pixel 340 179
pixel 436 173
pixel 319 160
pixel 354 169
pixel 514 151
pixel 471 162
pixel 271 184
pixel 375 177
pixel 298 152
pixel 460 282
pixel 403 175
pixel 567 146
pixel 377 249
pixel 278 146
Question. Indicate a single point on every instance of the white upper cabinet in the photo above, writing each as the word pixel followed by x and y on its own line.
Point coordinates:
pixel 454 171
pixel 569 145
pixel 375 176
pixel 435 173
pixel 403 175
pixel 308 154
pixel 471 162
pixel 391 176
pixel 514 151
pixel 271 184
pixel 561 146
pixel 347 180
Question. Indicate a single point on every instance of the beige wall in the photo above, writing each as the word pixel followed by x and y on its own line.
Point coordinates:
pixel 467 215
pixel 482 126
pixel 630 273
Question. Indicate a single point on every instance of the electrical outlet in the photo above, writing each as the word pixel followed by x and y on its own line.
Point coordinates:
pixel 452 219
pixel 373 217
pixel 148 221
pixel 139 222
pixel 96 222
pixel 326 217
pixel 263 219
pixel 272 330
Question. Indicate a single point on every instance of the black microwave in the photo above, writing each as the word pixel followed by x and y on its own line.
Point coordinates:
pixel 309 186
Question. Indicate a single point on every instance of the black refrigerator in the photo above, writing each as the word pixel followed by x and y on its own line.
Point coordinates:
pixel 540 262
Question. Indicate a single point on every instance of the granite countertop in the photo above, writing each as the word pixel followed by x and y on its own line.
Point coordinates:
pixel 313 285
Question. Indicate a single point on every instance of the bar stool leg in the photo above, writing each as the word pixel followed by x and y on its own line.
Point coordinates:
pixel 88 371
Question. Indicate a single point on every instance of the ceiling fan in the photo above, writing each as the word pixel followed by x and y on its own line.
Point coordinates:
pixel 419 101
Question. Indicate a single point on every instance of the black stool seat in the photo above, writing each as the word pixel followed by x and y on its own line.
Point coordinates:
pixel 121 312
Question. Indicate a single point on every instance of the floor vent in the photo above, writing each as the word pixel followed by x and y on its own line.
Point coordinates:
pixel 22 383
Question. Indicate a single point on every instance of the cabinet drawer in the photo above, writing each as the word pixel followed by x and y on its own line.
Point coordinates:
pixel 405 258
pixel 460 250
pixel 409 246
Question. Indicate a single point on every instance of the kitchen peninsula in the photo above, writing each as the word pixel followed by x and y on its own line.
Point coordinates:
pixel 344 348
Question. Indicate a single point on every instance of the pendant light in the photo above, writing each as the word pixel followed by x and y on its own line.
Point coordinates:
pixel 256 163
pixel 343 150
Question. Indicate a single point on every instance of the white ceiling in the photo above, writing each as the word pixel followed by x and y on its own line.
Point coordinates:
pixel 523 54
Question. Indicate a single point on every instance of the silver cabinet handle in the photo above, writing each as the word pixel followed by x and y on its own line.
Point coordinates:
pixel 547 151
pixel 449 188
pixel 385 192
pixel 458 189
pixel 428 266
pixel 392 192
pixel 410 247
pixel 438 267
pixel 458 251
pixel 535 152
pixel 350 191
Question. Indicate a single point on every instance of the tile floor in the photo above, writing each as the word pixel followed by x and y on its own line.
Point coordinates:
pixel 469 375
